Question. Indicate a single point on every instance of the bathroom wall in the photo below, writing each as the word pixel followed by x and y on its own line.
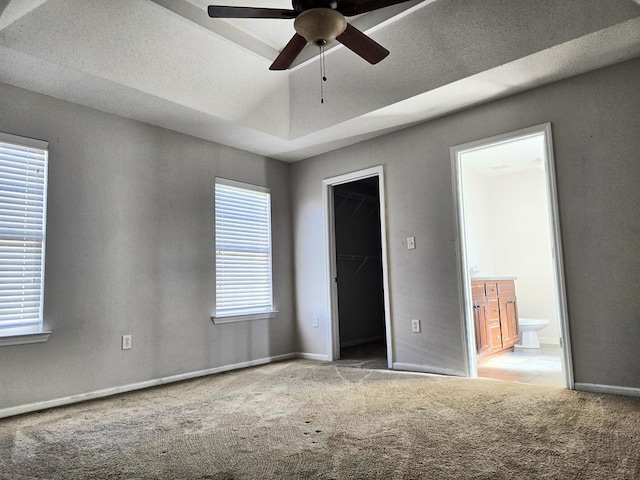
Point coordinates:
pixel 478 225
pixel 524 245
pixel 508 232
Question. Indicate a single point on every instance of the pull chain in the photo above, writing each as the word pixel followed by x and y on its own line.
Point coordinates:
pixel 323 72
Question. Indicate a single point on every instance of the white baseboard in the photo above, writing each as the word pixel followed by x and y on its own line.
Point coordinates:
pixel 608 389
pixel 549 340
pixel 58 402
pixel 429 369
pixel 313 356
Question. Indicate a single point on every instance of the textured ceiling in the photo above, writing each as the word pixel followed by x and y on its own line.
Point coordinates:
pixel 507 157
pixel 165 62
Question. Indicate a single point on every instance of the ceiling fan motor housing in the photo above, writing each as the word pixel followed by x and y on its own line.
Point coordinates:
pixel 320 25
pixel 318 22
pixel 302 5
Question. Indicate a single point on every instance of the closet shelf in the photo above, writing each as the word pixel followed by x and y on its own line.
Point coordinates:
pixel 361 197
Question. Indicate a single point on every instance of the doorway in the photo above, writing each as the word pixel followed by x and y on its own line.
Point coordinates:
pixel 511 260
pixel 360 331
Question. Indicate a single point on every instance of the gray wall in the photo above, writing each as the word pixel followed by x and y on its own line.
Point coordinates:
pixel 130 251
pixel 595 121
pixel 130 236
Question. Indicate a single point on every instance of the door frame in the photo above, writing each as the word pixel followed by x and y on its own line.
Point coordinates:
pixel 556 246
pixel 333 337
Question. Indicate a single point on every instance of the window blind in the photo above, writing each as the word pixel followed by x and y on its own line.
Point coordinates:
pixel 23 185
pixel 243 249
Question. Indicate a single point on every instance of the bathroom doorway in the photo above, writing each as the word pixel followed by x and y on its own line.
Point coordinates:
pixel 511 262
pixel 356 240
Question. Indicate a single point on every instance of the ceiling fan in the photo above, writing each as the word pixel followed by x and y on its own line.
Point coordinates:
pixel 318 22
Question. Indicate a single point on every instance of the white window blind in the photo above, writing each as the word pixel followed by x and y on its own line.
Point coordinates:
pixel 23 191
pixel 243 249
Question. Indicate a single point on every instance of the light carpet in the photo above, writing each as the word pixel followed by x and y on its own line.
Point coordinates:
pixel 308 420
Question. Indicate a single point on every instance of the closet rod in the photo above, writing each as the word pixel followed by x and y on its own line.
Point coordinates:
pixel 361 258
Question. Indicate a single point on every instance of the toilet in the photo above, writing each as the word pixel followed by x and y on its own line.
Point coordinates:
pixel 529 331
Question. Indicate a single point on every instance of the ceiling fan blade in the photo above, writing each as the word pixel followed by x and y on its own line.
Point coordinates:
pixel 356 7
pixel 249 12
pixel 289 53
pixel 366 47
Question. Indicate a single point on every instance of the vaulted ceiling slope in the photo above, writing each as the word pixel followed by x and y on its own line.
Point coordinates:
pixel 165 62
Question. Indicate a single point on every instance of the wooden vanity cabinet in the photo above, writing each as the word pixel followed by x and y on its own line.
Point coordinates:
pixel 495 314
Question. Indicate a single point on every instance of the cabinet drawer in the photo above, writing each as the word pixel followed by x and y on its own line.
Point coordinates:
pixel 495 337
pixel 493 310
pixel 477 289
pixel 506 287
pixel 492 289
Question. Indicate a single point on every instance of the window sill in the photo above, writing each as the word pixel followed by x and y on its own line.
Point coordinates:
pixel 24 339
pixel 244 318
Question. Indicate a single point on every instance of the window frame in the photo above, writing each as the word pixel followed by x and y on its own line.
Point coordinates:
pixel 244 314
pixel 16 336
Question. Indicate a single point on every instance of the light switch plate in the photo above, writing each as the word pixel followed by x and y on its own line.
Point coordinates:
pixel 411 243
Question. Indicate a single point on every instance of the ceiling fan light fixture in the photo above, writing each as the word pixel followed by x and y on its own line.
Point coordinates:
pixel 320 26
pixel 318 22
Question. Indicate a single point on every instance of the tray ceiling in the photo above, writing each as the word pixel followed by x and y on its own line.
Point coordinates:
pixel 165 62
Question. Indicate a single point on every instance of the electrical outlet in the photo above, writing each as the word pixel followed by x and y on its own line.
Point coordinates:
pixel 415 326
pixel 411 243
pixel 315 321
pixel 126 342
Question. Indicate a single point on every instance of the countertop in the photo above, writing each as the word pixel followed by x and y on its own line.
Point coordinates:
pixel 493 277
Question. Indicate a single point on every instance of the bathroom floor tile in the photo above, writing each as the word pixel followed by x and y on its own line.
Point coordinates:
pixel 538 366
pixel 490 371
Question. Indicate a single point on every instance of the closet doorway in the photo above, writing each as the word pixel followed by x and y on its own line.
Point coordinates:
pixel 359 332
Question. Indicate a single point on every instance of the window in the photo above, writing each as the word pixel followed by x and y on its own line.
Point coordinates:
pixel 243 252
pixel 23 196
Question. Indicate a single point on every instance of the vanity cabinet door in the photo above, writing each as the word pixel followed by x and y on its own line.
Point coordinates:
pixel 481 326
pixel 509 321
